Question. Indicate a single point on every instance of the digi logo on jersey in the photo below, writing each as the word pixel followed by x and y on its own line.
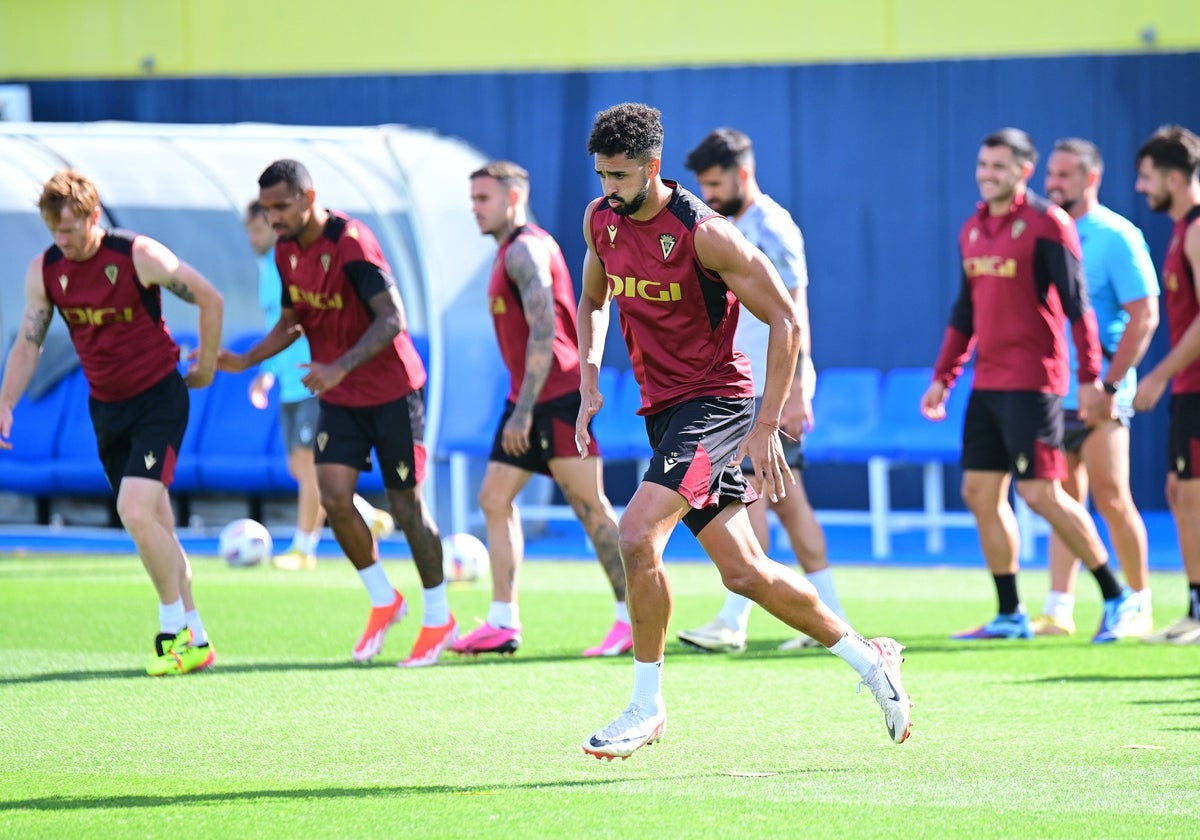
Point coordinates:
pixel 645 289
pixel 990 267
pixel 317 300
pixel 81 316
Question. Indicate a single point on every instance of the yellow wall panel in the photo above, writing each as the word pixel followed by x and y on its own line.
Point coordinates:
pixel 938 28
pixel 67 38
pixel 130 38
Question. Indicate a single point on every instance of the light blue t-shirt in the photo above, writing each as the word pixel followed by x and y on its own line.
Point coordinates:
pixel 284 366
pixel 771 229
pixel 1118 267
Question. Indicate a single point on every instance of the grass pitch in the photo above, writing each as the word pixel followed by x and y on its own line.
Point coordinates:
pixel 286 737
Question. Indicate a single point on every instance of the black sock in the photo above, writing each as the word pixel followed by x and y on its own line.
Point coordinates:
pixel 1194 600
pixel 1109 588
pixel 1006 592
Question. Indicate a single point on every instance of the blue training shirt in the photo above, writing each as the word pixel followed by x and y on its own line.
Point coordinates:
pixel 1117 263
pixel 286 365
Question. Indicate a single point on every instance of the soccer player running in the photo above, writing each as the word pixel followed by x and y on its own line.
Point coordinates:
pixel 725 169
pixel 1021 272
pixel 297 409
pixel 680 274
pixel 339 290
pixel 533 305
pixel 107 286
pixel 1168 165
pixel 1123 292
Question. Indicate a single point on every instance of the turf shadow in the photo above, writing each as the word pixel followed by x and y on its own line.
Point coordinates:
pixel 84 803
pixel 1115 678
pixel 126 674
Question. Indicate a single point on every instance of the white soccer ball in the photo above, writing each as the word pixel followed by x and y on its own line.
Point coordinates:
pixel 245 542
pixel 464 557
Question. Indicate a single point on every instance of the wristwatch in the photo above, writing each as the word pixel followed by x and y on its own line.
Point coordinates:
pixel 1109 388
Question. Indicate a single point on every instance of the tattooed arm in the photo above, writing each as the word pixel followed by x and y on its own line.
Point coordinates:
pixel 528 265
pixel 157 265
pixel 26 349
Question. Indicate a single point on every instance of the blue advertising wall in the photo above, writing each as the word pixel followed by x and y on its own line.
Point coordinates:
pixel 876 161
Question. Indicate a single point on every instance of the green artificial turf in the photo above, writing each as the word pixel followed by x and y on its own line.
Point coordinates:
pixel 286 737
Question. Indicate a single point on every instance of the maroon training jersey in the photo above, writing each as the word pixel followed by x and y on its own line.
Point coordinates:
pixel 1021 274
pixel 512 330
pixel 678 318
pixel 114 320
pixel 328 285
pixel 1182 307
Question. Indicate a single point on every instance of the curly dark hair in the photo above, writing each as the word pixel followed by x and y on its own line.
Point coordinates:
pixel 631 128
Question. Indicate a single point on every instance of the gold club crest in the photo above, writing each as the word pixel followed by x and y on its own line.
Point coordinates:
pixel 1018 228
pixel 667 242
pixel 402 470
pixel 110 271
pixel 325 260
pixel 293 259
pixel 1022 464
pixel 62 281
pixel 322 439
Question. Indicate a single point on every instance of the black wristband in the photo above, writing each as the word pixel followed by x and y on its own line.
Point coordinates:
pixel 1109 388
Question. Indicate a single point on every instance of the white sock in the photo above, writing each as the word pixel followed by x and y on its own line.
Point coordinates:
pixel 1144 599
pixel 736 612
pixel 623 613
pixel 306 543
pixel 822 581
pixel 365 509
pixel 437 607
pixel 504 614
pixel 199 635
pixel 171 617
pixel 378 586
pixel 647 686
pixel 857 652
pixel 1059 604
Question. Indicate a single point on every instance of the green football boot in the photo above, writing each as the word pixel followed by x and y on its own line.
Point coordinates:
pixel 175 654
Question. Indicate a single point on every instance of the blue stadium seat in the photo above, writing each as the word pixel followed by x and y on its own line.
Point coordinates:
pixel 77 469
pixel 908 435
pixel 476 387
pixel 187 468
pixel 233 445
pixel 609 425
pixel 846 412
pixel 623 435
pixel 278 454
pixel 28 467
pixel 906 438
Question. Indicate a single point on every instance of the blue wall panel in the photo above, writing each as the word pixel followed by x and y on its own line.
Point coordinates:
pixel 875 160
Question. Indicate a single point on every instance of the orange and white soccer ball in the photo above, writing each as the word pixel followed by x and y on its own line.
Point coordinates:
pixel 244 542
pixel 464 558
